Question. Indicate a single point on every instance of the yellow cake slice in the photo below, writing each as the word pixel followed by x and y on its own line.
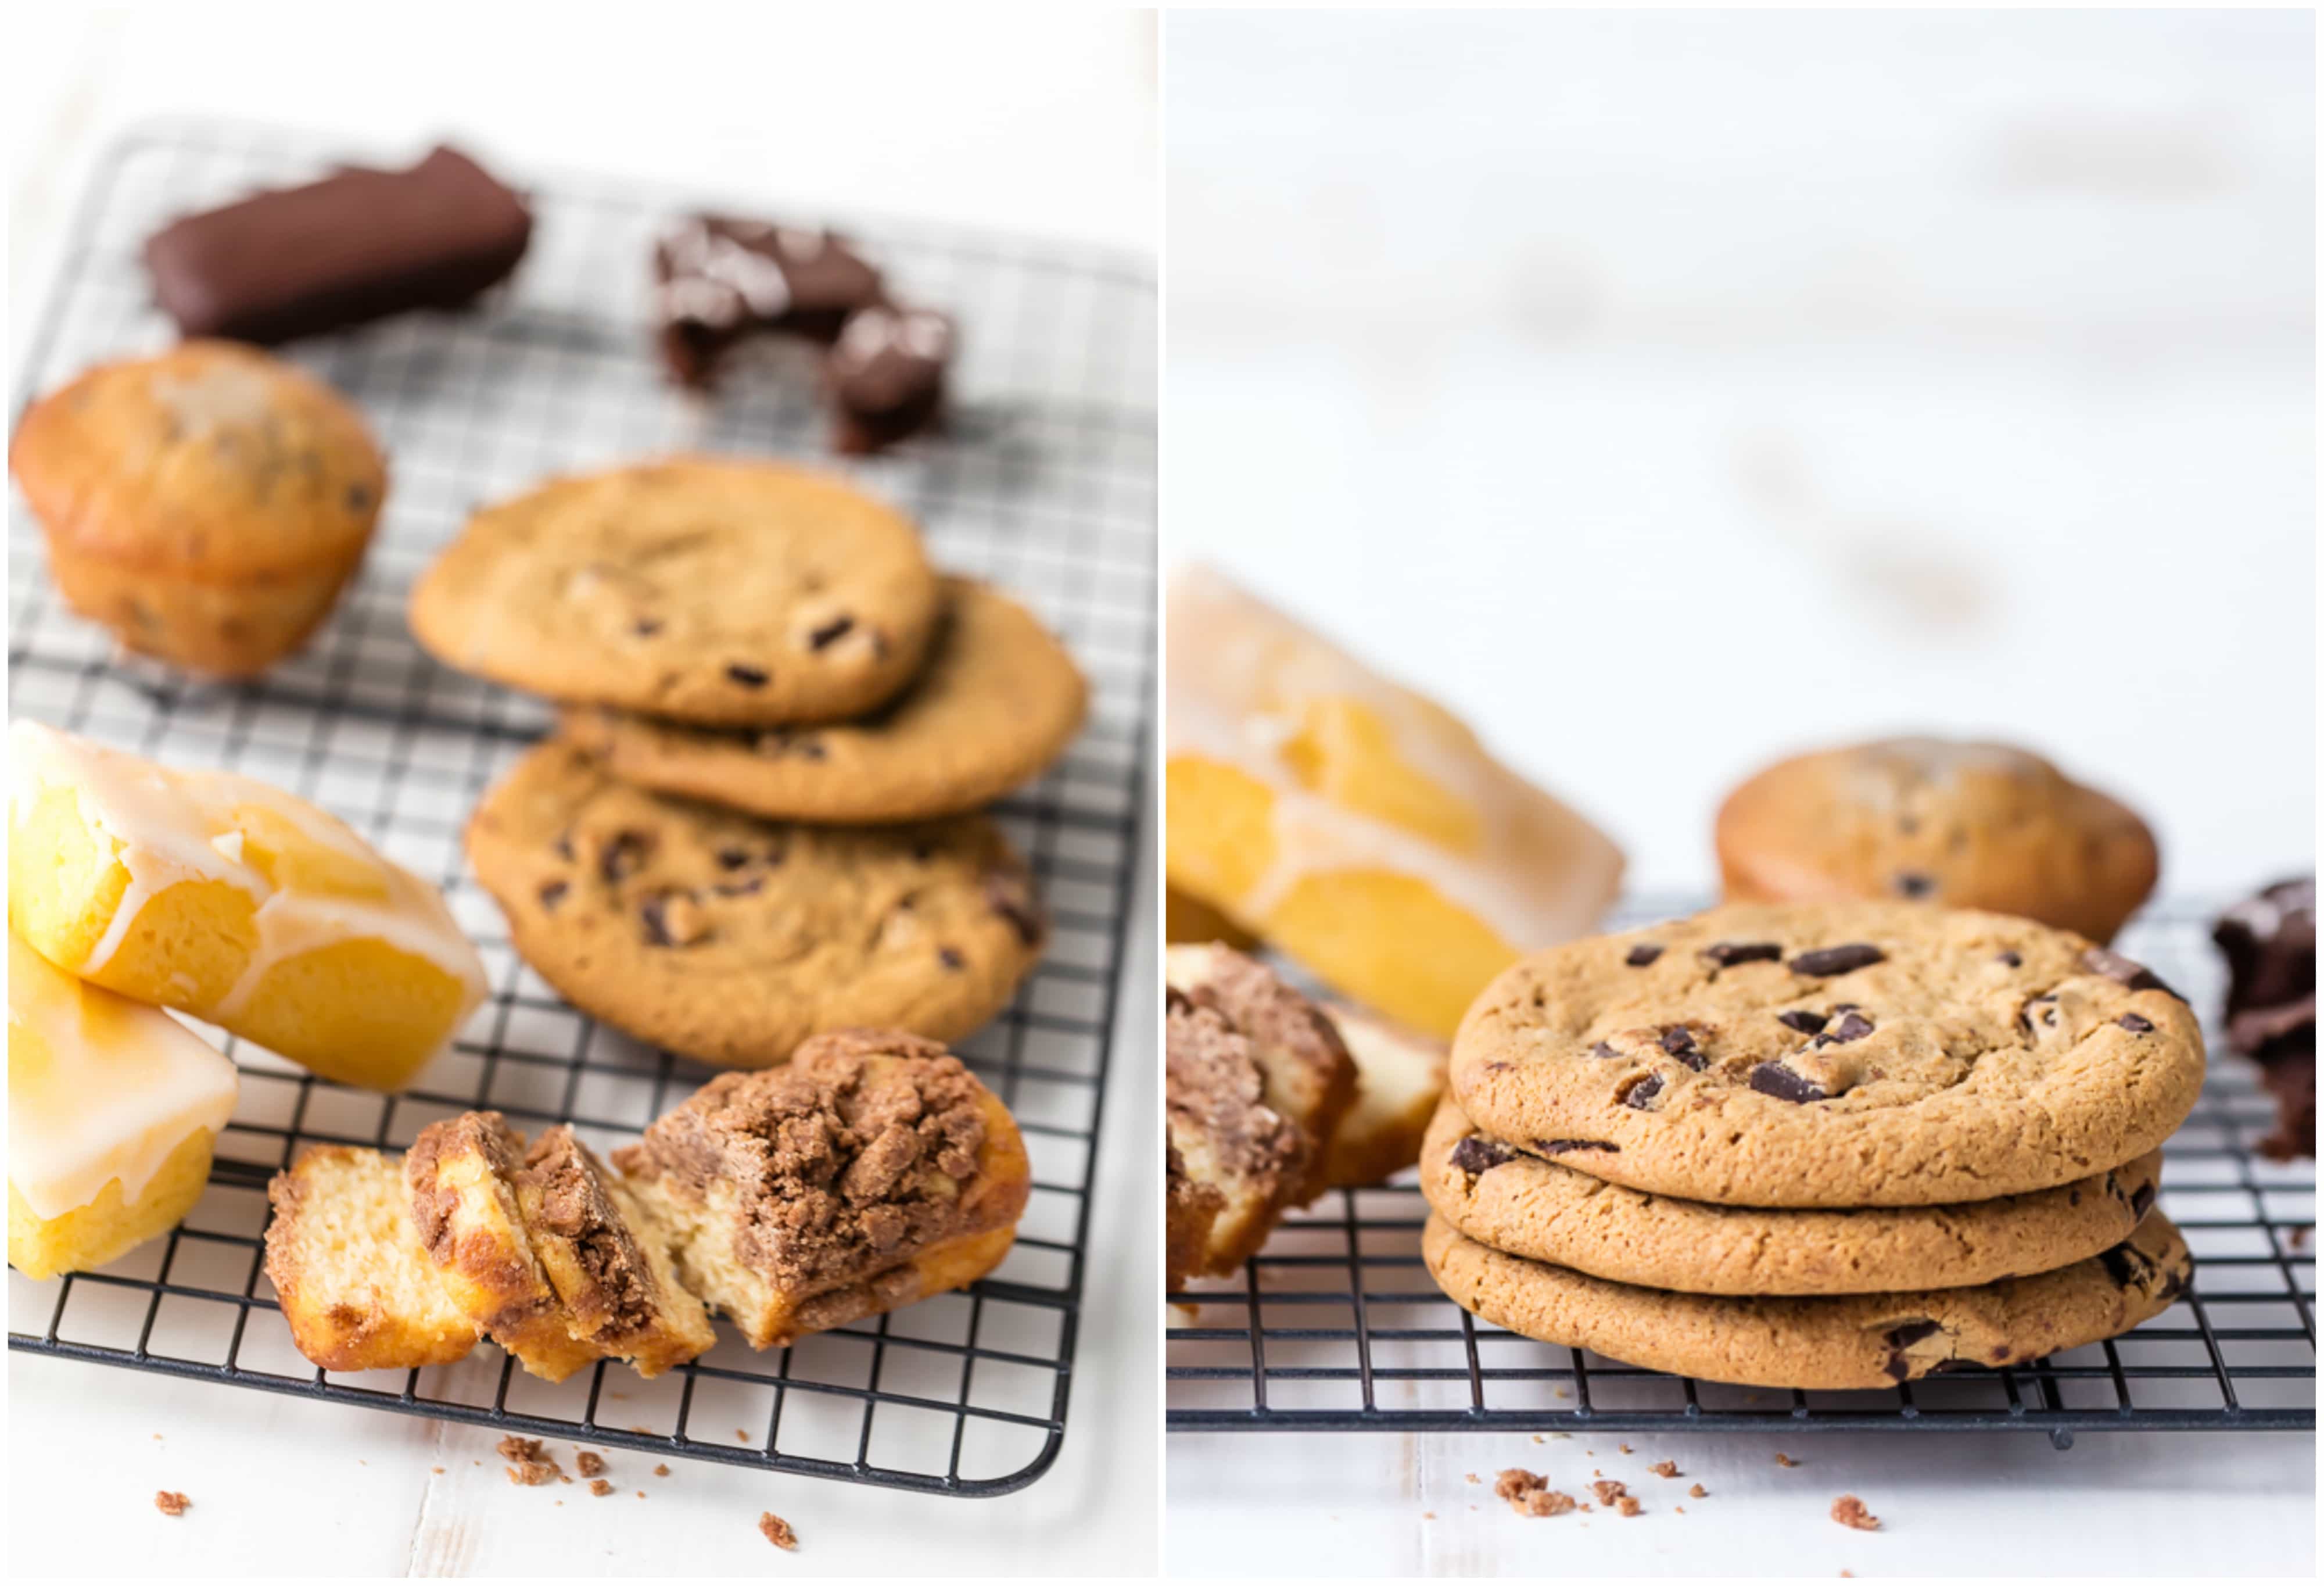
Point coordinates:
pixel 233 901
pixel 113 1108
pixel 1354 825
pixel 1399 1079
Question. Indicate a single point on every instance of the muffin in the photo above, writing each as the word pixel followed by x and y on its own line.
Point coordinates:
pixel 1965 825
pixel 207 505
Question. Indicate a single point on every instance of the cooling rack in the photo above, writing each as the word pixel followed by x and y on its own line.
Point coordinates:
pixel 1335 1326
pixel 1045 485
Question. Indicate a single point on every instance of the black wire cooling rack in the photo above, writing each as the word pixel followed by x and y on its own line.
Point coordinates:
pixel 1335 1326
pixel 1045 485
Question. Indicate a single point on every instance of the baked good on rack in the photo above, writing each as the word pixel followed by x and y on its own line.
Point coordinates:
pixel 871 1171
pixel 1256 1080
pixel 357 245
pixel 229 899
pixel 607 1258
pixel 1826 1341
pixel 205 505
pixel 1963 824
pixel 999 701
pixel 885 377
pixel 461 1175
pixel 720 280
pixel 1399 1076
pixel 1191 1209
pixel 1356 827
pixel 731 939
pixel 112 1109
pixel 1504 1195
pixel 1833 1055
pixel 714 591
pixel 359 1292
pixel 2270 942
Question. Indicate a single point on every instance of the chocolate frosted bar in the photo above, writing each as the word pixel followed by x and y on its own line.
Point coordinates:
pixel 2270 943
pixel 718 280
pixel 357 245
pixel 886 376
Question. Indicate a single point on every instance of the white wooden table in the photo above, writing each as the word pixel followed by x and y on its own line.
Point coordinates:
pixel 1043 127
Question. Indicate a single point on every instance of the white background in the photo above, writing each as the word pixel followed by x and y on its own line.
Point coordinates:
pixel 1039 125
pixel 1668 391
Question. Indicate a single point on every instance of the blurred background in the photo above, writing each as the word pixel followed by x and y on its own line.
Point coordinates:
pixel 1668 391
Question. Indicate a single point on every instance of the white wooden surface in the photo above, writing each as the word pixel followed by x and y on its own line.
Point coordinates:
pixel 1043 126
pixel 1667 390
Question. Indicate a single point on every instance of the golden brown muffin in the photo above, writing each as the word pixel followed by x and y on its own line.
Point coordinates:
pixel 871 1171
pixel 1961 824
pixel 207 505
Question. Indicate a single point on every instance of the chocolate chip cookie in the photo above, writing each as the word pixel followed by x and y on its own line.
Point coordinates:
pixel 999 700
pixel 1502 1195
pixel 1967 825
pixel 1834 1341
pixel 1832 1054
pixel 711 590
pixel 730 938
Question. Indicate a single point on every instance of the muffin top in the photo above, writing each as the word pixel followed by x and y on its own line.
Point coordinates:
pixel 213 462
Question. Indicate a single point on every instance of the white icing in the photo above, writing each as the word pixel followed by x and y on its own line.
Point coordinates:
pixel 1240 676
pixel 99 1087
pixel 175 826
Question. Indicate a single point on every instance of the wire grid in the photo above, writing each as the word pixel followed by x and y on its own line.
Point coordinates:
pixel 1045 483
pixel 1336 1325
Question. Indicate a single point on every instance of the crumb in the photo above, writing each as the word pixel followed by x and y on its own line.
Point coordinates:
pixel 2300 1238
pixel 1538 1437
pixel 1590 1508
pixel 617 1395
pixel 435 1469
pixel 1666 1468
pixel 560 1503
pixel 172 1503
pixel 1696 1492
pixel 1679 1508
pixel 528 1466
pixel 1608 1491
pixel 1786 1461
pixel 1623 1446
pixel 1847 1574
pixel 1471 1476
pixel 740 1435
pixel 662 1469
pixel 363 1461
pixel 1564 1393
pixel 641 1492
pixel 1627 1504
pixel 1428 1514
pixel 1848 1510
pixel 1594 1471
pixel 601 1487
pixel 1530 1495
pixel 777 1530
pixel 157 1437
pixel 588 1463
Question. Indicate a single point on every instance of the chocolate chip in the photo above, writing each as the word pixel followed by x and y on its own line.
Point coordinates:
pixel 949 957
pixel 1802 1020
pixel 1852 1026
pixel 1005 894
pixel 2128 1266
pixel 2043 1009
pixel 672 918
pixel 1603 1049
pixel 1914 884
pixel 2011 955
pixel 1901 1337
pixel 359 497
pixel 1725 954
pixel 1559 1147
pixel 553 893
pixel 1645 954
pixel 809 749
pixel 1475 1153
pixel 1679 1042
pixel 623 855
pixel 1773 1078
pixel 733 859
pixel 2127 972
pixel 830 633
pixel 1639 1091
pixel 2142 1199
pixel 2134 1024
pixel 742 888
pixel 564 846
pixel 1176 1001
pixel 1838 961
pixel 750 677
pixel 646 627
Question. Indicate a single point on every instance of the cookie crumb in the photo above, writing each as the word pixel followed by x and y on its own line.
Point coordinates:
pixel 1666 1468
pixel 740 1435
pixel 1538 1438
pixel 1623 1446
pixel 1678 1508
pixel 1848 1510
pixel 1471 1476
pixel 1786 1461
pixel 528 1466
pixel 588 1463
pixel 435 1469
pixel 1696 1492
pixel 1627 1504
pixel 172 1503
pixel 601 1487
pixel 662 1469
pixel 1608 1492
pixel 1530 1495
pixel 777 1530
pixel 1428 1514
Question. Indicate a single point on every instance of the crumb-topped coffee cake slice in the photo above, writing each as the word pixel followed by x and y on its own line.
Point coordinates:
pixel 871 1171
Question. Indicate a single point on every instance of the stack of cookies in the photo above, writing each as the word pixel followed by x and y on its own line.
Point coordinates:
pixel 759 820
pixel 1814 1145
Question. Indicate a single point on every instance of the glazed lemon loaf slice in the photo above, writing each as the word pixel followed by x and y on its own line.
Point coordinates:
pixel 113 1108
pixel 233 901
pixel 871 1171
pixel 359 1292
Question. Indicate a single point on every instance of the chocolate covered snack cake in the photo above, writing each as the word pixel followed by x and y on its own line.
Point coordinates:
pixel 2270 943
